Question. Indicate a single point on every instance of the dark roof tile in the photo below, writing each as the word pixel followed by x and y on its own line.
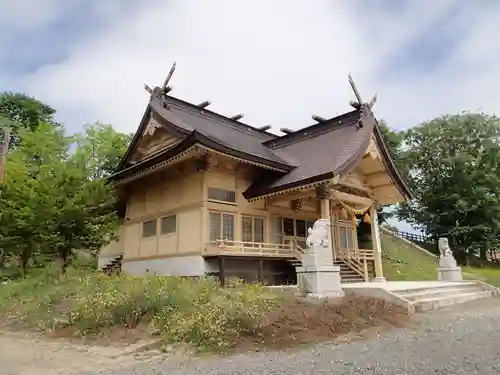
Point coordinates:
pixel 227 132
pixel 322 151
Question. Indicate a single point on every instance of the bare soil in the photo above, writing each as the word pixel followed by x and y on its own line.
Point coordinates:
pixel 302 321
pixel 34 354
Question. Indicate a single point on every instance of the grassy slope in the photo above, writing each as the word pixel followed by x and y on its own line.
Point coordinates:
pixel 403 262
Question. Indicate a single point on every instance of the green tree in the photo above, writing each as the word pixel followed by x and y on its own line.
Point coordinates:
pixel 22 111
pixel 453 165
pixel 100 148
pixel 50 205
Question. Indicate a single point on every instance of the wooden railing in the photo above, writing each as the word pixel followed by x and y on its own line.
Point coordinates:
pixel 247 248
pixel 356 259
pixel 414 237
pixel 357 254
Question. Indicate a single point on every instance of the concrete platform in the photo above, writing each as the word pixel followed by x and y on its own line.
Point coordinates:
pixel 420 296
pixel 406 285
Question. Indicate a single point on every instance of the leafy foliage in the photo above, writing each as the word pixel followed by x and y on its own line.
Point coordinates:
pixel 51 201
pixel 20 111
pixel 453 165
pixel 100 149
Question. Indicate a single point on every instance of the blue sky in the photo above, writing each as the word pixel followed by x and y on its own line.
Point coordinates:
pixel 277 62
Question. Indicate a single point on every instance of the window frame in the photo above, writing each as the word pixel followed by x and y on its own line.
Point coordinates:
pixel 253 218
pixel 230 192
pixel 221 226
pixel 149 222
pixel 345 225
pixel 176 225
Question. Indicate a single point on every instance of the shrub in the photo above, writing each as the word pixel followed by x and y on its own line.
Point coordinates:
pixel 197 312
pixel 215 317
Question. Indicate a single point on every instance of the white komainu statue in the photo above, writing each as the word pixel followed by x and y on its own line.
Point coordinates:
pixel 318 235
pixel 446 258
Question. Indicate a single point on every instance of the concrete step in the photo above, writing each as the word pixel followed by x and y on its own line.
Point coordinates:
pixel 435 303
pixel 351 281
pixel 439 292
pixel 437 286
pixel 434 297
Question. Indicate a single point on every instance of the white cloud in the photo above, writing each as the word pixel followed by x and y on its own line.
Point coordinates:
pixel 26 15
pixel 278 62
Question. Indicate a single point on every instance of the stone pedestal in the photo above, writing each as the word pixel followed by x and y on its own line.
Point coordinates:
pixel 449 274
pixel 448 269
pixel 318 277
pixel 320 281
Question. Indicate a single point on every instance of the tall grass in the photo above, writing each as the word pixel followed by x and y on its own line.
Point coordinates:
pixel 198 312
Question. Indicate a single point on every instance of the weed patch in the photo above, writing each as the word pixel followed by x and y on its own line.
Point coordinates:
pixel 197 312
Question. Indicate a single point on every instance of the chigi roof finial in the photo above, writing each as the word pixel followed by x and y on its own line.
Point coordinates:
pixel 358 96
pixel 165 88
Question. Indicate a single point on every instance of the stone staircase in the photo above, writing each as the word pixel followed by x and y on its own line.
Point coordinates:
pixel 113 266
pixel 347 275
pixel 421 299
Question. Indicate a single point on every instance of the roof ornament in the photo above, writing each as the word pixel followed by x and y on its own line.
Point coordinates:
pixel 165 89
pixel 319 118
pixel 358 96
pixel 237 117
pixel 204 104
pixel 286 130
pixel 265 127
pixel 358 105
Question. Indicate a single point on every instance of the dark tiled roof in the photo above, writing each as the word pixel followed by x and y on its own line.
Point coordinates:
pixel 316 153
pixel 227 132
pixel 322 151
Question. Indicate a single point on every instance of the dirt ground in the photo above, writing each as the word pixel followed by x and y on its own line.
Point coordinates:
pixel 32 354
pixel 302 322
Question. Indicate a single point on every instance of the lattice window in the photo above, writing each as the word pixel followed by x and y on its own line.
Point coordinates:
pixel 149 228
pixel 221 195
pixel 168 224
pixel 252 229
pixel 345 229
pixel 221 226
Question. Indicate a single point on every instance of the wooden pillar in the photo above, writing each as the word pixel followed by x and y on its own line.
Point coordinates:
pixel 377 245
pixel 260 276
pixel 323 195
pixel 222 274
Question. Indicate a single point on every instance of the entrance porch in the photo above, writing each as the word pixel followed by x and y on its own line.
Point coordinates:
pixel 287 236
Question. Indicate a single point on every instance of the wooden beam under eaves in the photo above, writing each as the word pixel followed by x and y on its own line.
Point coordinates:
pixel 351 198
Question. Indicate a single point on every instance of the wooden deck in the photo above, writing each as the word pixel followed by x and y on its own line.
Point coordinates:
pixel 275 250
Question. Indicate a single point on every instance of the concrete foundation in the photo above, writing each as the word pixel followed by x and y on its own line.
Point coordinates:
pixel 179 266
pixel 319 281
